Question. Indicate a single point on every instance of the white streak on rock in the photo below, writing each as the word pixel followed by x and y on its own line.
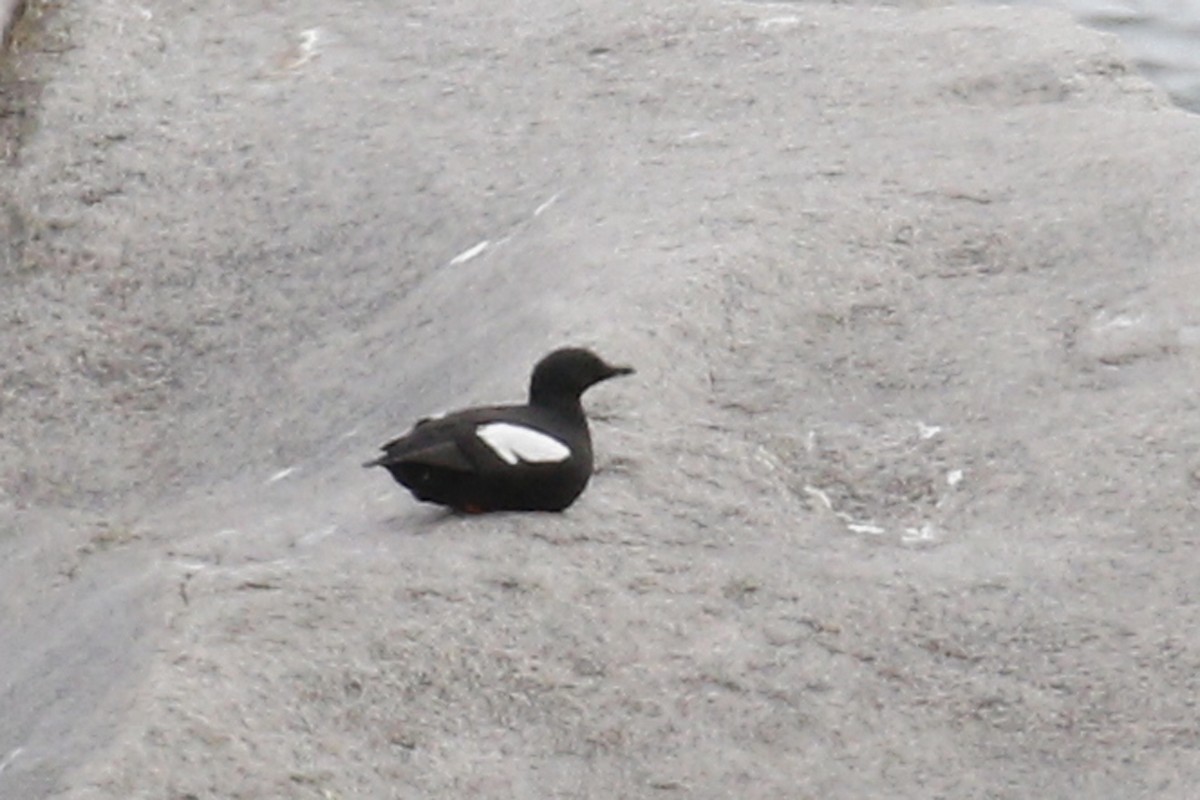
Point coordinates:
pixel 925 533
pixel 467 255
pixel 315 536
pixel 8 759
pixel 820 495
pixel 537 212
pixel 928 431
pixel 283 473
pixel 779 23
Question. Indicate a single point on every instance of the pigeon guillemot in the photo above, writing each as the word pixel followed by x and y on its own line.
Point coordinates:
pixel 535 457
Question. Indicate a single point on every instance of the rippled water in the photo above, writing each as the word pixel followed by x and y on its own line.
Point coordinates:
pixel 1162 36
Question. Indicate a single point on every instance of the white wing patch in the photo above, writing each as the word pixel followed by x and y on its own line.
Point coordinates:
pixel 516 443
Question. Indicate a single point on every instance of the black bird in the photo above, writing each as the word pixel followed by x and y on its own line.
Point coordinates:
pixel 535 457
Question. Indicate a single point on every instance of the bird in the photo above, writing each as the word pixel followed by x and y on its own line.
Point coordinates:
pixel 532 457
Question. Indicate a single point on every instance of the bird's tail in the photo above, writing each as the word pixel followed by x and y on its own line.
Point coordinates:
pixel 378 462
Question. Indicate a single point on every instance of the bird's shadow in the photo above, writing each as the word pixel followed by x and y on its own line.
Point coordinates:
pixel 420 522
pixel 429 520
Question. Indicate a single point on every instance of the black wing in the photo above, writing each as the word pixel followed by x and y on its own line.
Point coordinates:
pixel 448 442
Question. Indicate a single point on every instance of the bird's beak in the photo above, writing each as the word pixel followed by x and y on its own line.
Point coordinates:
pixel 614 372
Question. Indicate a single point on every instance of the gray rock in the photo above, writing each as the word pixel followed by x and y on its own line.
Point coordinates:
pixel 898 505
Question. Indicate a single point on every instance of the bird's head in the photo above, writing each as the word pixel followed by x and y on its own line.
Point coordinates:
pixel 567 373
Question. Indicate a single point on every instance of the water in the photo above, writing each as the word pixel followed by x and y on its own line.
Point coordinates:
pixel 1162 36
